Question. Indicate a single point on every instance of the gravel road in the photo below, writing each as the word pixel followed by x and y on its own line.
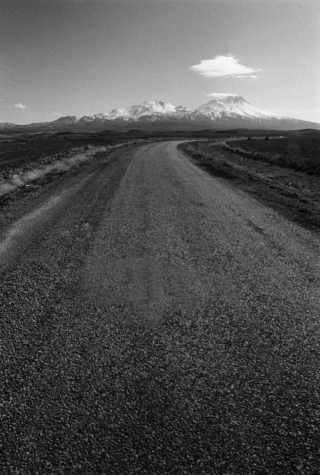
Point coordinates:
pixel 156 320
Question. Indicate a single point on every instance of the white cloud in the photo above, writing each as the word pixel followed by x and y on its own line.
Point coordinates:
pixel 219 95
pixel 20 106
pixel 223 66
pixel 57 114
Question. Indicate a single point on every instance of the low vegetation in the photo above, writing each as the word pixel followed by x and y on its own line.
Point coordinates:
pixel 282 173
pixel 300 152
pixel 26 150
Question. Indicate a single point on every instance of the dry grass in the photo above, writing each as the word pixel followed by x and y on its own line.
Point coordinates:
pixel 299 152
pixel 292 192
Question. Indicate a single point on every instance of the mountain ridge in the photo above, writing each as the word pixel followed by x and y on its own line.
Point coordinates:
pixel 223 110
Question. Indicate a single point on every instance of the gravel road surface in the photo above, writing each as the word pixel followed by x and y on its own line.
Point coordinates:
pixel 156 320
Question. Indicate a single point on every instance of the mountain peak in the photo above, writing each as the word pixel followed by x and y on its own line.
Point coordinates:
pixel 69 119
pixel 223 105
pixel 146 108
pixel 156 106
pixel 161 102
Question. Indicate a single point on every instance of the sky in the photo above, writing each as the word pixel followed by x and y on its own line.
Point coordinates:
pixel 82 57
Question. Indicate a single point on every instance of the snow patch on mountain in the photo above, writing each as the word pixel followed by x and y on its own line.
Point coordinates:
pixel 69 119
pixel 146 108
pixel 222 110
pixel 233 106
pixel 220 106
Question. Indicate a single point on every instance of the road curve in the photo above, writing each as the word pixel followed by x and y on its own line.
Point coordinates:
pixel 156 320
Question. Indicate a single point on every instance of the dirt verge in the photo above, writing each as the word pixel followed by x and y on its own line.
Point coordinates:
pixel 25 179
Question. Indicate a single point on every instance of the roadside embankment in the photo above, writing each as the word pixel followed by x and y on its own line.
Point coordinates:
pixel 55 164
pixel 27 177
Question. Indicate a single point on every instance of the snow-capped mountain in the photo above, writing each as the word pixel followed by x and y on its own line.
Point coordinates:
pixel 144 109
pixel 222 111
pixel 68 120
pixel 221 106
pixel 233 105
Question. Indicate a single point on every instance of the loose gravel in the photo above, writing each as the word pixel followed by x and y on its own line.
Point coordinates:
pixel 163 323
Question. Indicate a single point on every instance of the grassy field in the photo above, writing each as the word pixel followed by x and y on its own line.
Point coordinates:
pixel 273 171
pixel 25 150
pixel 300 152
